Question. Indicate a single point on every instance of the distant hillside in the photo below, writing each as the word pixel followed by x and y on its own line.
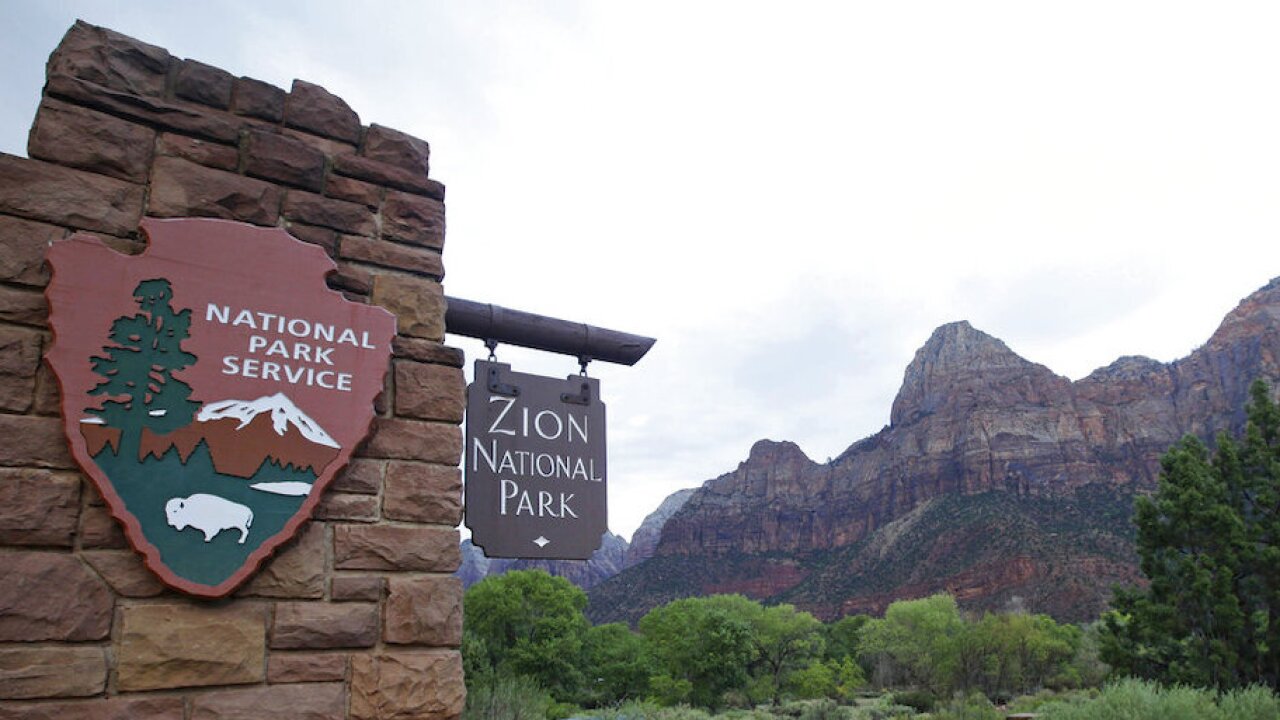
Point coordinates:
pixel 996 479
pixel 603 563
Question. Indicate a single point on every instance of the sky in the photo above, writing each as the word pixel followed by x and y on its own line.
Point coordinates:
pixel 790 197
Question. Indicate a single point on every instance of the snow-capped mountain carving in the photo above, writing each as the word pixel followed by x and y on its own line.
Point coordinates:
pixel 283 414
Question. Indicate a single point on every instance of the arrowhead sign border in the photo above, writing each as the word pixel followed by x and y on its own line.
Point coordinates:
pixel 166 354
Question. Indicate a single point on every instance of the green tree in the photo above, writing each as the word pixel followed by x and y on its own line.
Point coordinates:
pixel 1209 542
pixel 616 664
pixel 916 643
pixel 702 648
pixel 786 640
pixel 528 623
pixel 138 370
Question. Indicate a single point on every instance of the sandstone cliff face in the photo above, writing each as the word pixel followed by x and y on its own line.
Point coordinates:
pixel 603 564
pixel 1006 446
pixel 645 540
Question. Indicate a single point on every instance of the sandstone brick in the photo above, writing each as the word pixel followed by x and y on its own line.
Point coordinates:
pixel 19 363
pixel 321 625
pixel 350 508
pixel 399 439
pixel 272 156
pixel 51 672
pixel 65 196
pixel 408 685
pixel 98 530
pixel 204 84
pixel 346 588
pixel 392 255
pixel 429 392
pixel 396 148
pixel 25 243
pixel 48 394
pixel 297 571
pixel 202 152
pixel 324 237
pixel 418 304
pixel 310 701
pixel 299 667
pixel 360 476
pixel 179 116
pixel 413 219
pixel 182 645
pixel 328 146
pixel 180 188
pixel 353 277
pixel 312 108
pixel 51 596
pixel 258 99
pixel 125 572
pixel 116 708
pixel 105 57
pixel 358 191
pixel 390 547
pixel 327 212
pixel 424 611
pixel 38 507
pixel 24 306
pixel 381 173
pixel 33 441
pixel 82 138
pixel 419 492
pixel 411 348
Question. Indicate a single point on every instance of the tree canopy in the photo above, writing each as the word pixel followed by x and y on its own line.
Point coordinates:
pixel 1208 542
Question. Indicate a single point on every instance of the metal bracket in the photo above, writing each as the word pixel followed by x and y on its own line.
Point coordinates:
pixel 501 388
pixel 583 396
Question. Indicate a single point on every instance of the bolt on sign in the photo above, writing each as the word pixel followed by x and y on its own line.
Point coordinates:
pixel 212 387
pixel 535 464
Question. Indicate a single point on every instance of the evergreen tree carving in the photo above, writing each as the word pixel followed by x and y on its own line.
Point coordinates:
pixel 138 370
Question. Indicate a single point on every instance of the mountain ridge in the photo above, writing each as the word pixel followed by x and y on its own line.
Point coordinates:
pixel 974 427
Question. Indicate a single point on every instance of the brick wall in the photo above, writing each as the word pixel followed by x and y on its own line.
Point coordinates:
pixel 358 617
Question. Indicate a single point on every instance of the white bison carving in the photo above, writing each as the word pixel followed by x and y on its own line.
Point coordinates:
pixel 209 514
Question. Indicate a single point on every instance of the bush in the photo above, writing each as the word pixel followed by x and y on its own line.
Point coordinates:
pixel 974 707
pixel 1145 700
pixel 921 700
pixel 501 697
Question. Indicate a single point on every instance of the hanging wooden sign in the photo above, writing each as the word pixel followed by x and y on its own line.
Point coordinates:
pixel 212 387
pixel 536 477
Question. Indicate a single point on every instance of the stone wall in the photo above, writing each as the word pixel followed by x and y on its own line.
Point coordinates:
pixel 359 616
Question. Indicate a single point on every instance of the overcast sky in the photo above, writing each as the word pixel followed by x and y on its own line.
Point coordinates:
pixel 790 196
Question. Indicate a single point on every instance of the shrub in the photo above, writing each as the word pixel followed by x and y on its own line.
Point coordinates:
pixel 921 700
pixel 502 697
pixel 974 707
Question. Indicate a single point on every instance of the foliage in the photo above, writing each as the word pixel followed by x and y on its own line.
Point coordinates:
pixel 139 367
pixel 915 643
pixel 1209 542
pixel 1144 700
pixel 617 665
pixel 973 707
pixel 702 647
pixel 530 624
pixel 500 697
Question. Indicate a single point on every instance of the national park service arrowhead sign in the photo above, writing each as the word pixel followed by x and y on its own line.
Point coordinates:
pixel 211 387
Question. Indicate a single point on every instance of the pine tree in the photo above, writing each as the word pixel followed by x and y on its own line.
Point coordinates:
pixel 138 370
pixel 1209 542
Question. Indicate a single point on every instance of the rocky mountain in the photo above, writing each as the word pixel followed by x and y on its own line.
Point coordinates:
pixel 603 563
pixel 645 539
pixel 996 480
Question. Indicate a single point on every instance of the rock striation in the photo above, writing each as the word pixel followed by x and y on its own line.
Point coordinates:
pixel 996 479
